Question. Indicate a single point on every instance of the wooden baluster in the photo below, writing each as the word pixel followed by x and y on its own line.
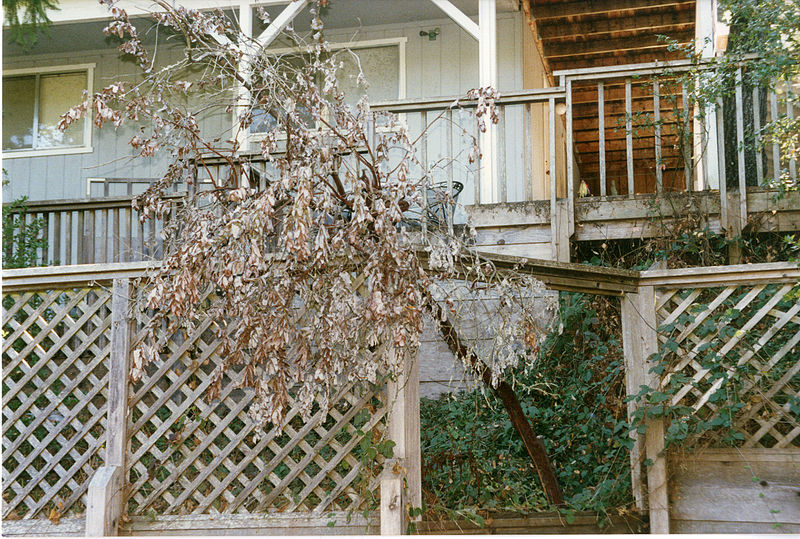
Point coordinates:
pixel 57 238
pixel 601 132
pixel 629 137
pixel 104 232
pixel 80 252
pixel 115 244
pixel 740 150
pixel 776 152
pixel 657 121
pixel 756 131
pixel 501 157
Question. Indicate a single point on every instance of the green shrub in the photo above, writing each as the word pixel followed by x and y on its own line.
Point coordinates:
pixel 21 240
pixel 574 397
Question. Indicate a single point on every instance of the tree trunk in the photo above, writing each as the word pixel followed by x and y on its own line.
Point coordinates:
pixel 533 444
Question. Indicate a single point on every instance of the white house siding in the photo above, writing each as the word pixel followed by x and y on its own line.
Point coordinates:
pixel 447 66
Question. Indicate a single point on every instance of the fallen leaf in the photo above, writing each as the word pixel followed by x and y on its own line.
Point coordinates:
pixel 54 515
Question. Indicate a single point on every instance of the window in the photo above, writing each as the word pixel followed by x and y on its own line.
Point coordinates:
pixel 33 102
pixel 383 64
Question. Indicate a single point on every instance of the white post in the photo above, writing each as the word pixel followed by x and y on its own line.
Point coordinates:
pixel 704 46
pixel 487 47
pixel 243 94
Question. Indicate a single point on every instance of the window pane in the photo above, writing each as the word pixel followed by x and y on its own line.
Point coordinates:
pixel 381 70
pixel 57 94
pixel 18 96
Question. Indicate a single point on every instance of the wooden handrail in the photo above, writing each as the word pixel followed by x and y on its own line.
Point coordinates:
pixel 80 204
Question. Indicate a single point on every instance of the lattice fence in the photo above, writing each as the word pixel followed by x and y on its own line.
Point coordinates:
pixel 734 357
pixel 55 372
pixel 188 456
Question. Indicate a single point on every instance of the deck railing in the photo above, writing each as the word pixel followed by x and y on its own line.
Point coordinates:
pixel 639 129
pixel 86 231
pixel 603 132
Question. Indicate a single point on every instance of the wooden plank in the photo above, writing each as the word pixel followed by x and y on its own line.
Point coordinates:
pixel 601 45
pixel 601 129
pixel 570 162
pixel 688 159
pixel 790 116
pixel 502 164
pixel 57 238
pixel 527 145
pixel 115 243
pixel 629 136
pixel 657 121
pixel 723 182
pixel 393 520
pixel 80 252
pixel 750 489
pixel 119 368
pixel 584 9
pixel 775 272
pixel 757 131
pixel 104 502
pixel 552 170
pixel 66 276
pixel 104 231
pixel 66 527
pixel 90 233
pixel 657 20
pixel 634 379
pixel 253 524
pixel 740 151
pixel 776 152
pixel 657 495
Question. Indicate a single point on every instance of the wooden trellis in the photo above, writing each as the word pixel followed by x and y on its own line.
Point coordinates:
pixel 713 332
pixel 188 455
pixel 751 332
pixel 55 379
pixel 80 438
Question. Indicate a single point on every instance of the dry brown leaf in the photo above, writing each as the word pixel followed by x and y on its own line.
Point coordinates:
pixel 54 515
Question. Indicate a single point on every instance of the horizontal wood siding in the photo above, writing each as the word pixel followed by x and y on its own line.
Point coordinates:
pixel 446 66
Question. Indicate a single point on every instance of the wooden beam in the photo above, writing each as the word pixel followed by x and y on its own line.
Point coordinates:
pixel 487 67
pixel 681 14
pixel 458 16
pixel 281 21
pixel 613 45
pixel 581 8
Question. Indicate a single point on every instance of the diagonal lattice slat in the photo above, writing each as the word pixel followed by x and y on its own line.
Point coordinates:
pixel 189 455
pixel 55 377
pixel 736 350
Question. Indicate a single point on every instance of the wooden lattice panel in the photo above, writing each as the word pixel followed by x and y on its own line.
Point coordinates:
pixel 55 369
pixel 188 455
pixel 737 353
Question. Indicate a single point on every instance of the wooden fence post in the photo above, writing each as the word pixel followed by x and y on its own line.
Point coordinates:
pixel 403 429
pixel 640 341
pixel 106 499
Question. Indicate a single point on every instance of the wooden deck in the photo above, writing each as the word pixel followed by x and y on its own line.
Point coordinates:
pixel 524 229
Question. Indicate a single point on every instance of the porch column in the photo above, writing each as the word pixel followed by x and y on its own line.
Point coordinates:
pixel 708 170
pixel 243 94
pixel 487 47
